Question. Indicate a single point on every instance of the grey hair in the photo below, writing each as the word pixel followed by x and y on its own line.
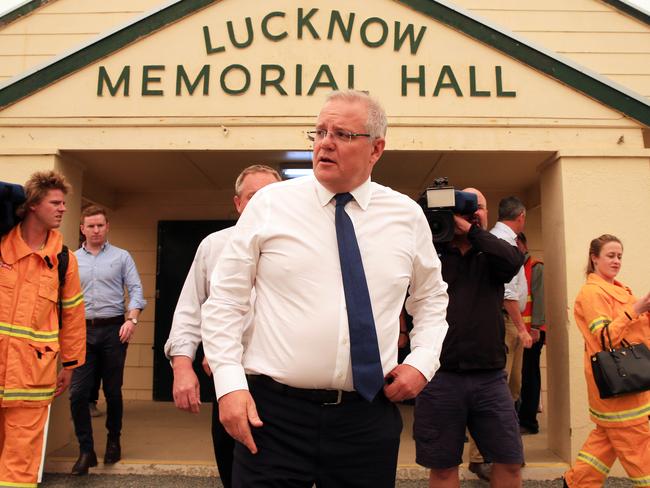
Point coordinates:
pixel 510 208
pixel 376 123
pixel 255 168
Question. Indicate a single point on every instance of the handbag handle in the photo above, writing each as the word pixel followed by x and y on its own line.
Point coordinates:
pixel 609 338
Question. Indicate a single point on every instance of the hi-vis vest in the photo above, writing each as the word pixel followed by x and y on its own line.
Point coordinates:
pixel 30 337
pixel 527 314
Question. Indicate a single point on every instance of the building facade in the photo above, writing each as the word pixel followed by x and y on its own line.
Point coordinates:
pixel 152 108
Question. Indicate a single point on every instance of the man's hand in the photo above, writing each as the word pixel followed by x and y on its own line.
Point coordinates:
pixel 403 382
pixel 462 225
pixel 186 389
pixel 525 338
pixel 237 412
pixel 534 333
pixel 206 366
pixel 63 381
pixel 126 331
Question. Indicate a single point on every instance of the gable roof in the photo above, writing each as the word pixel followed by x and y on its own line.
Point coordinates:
pixel 21 10
pixel 630 9
pixel 569 73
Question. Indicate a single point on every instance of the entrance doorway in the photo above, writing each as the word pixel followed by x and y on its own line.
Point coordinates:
pixel 177 244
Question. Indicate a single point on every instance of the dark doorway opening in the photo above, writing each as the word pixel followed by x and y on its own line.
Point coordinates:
pixel 177 244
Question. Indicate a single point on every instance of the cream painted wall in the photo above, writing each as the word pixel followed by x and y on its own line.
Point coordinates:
pixel 589 32
pixel 58 26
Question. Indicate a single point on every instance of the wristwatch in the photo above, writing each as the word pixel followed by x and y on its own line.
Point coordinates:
pixel 135 321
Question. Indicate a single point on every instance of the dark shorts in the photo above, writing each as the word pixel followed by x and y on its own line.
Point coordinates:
pixel 479 401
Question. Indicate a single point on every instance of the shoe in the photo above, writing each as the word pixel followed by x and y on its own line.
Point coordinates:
pixel 86 460
pixel 527 431
pixel 482 470
pixel 94 411
pixel 113 452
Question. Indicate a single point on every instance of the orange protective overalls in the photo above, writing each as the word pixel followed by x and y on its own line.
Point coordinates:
pixel 621 423
pixel 30 342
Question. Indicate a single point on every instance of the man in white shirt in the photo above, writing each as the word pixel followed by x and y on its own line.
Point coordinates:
pixel 511 221
pixel 293 380
pixel 185 333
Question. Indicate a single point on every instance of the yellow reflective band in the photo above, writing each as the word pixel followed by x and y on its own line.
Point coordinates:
pixel 31 395
pixel 594 462
pixel 73 301
pixel 641 481
pixel 527 320
pixel 598 323
pixel 623 415
pixel 28 333
pixel 13 484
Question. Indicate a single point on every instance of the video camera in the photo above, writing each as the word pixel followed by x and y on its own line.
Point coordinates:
pixel 440 202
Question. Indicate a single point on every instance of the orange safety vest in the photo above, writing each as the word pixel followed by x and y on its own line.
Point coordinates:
pixel 527 314
pixel 600 303
pixel 30 338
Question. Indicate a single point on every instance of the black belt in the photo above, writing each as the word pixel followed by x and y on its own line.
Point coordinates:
pixel 321 397
pixel 107 321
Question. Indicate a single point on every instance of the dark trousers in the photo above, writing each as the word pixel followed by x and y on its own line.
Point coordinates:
pixel 349 445
pixel 224 447
pixel 94 393
pixel 103 350
pixel 531 384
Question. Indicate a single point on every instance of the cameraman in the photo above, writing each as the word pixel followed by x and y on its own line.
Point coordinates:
pixel 470 389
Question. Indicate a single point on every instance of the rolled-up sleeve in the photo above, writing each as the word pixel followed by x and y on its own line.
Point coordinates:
pixel 427 303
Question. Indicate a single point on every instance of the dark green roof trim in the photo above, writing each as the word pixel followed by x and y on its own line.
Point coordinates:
pixel 44 75
pixel 634 11
pixel 21 11
pixel 573 75
pixel 579 78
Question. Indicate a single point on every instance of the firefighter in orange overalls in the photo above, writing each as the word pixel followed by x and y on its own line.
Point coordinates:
pixel 31 337
pixel 622 429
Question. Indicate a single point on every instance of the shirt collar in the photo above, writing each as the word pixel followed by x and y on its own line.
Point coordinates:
pixel 507 230
pixel 361 194
pixel 103 248
pixel 617 290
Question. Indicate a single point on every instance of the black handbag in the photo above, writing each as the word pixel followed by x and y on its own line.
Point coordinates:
pixel 621 371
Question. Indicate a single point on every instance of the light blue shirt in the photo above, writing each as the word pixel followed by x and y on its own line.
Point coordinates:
pixel 103 279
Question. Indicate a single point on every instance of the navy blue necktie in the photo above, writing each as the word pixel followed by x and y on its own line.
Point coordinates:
pixel 367 372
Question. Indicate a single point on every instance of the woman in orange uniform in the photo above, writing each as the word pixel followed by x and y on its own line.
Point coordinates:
pixel 622 429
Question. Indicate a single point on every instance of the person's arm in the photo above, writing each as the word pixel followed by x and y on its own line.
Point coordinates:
pixel 594 309
pixel 504 260
pixel 512 309
pixel 224 317
pixel 185 334
pixel 131 280
pixel 427 304
pixel 72 336
pixel 537 295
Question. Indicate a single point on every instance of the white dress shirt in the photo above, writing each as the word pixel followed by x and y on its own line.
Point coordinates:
pixel 285 245
pixel 185 334
pixel 517 288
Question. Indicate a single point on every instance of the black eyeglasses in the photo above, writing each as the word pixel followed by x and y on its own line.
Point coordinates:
pixel 319 135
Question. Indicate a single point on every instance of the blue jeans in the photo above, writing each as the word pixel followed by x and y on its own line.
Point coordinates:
pixel 104 354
